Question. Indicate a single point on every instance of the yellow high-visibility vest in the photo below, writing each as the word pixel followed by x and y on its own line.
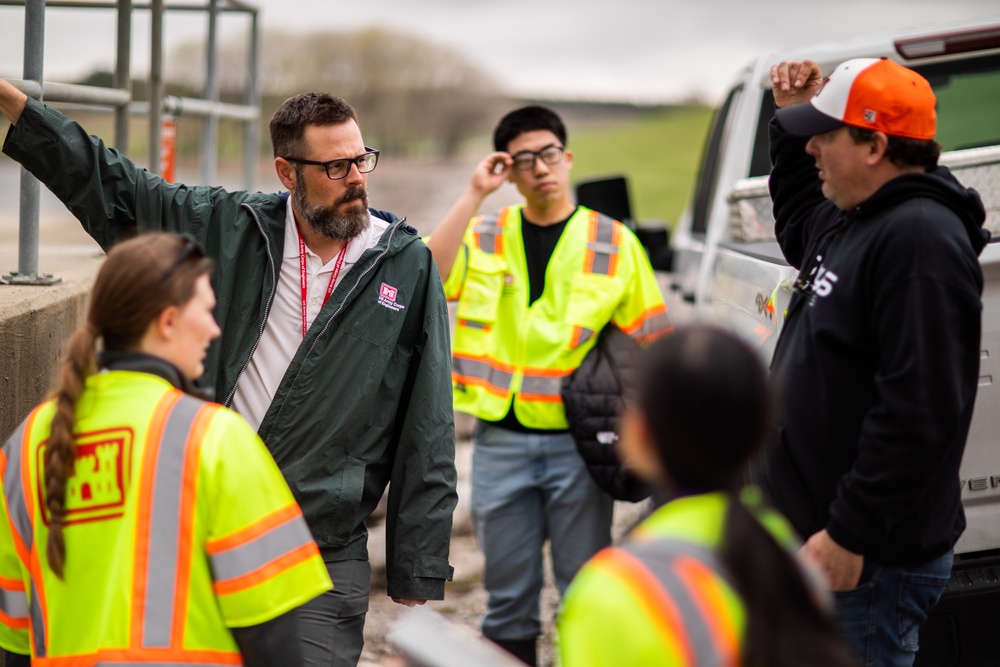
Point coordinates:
pixel 178 526
pixel 503 350
pixel 664 598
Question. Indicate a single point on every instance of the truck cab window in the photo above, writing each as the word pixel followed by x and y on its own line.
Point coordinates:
pixel 964 121
pixel 711 160
pixel 760 158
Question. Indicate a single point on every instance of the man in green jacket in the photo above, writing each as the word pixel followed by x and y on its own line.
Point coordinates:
pixel 335 336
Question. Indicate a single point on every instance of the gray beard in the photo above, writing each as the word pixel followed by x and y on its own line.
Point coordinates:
pixel 325 220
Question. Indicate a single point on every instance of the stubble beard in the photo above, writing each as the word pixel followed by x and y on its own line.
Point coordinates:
pixel 326 221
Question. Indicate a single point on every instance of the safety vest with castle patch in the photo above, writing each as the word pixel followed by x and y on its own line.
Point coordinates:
pixel 177 525
pixel 506 351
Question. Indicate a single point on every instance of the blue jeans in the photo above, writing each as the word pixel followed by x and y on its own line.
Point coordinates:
pixel 881 618
pixel 527 488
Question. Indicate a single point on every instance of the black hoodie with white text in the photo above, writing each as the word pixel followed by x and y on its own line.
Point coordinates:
pixel 877 365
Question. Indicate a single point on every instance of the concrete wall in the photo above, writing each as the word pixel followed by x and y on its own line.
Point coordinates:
pixel 35 322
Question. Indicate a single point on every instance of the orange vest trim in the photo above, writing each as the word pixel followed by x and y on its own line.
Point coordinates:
pixel 268 571
pixel 645 587
pixel 189 492
pixel 240 537
pixel 154 434
pixel 706 594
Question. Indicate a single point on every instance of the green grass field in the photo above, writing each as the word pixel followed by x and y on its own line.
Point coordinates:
pixel 659 154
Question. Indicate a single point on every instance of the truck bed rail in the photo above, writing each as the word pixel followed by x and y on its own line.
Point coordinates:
pixel 751 218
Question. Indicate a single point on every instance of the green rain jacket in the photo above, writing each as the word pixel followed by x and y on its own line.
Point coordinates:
pixel 367 398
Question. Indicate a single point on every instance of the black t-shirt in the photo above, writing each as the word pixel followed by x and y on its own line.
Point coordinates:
pixel 539 243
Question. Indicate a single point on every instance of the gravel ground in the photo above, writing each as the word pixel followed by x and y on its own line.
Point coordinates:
pixel 465 599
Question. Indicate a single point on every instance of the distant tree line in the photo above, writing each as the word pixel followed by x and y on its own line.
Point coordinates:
pixel 413 97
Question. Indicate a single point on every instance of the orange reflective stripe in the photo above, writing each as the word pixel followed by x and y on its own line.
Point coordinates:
pixel 539 398
pixel 145 508
pixel 189 491
pixel 492 375
pixel 651 324
pixel 588 254
pixel 143 657
pixel 251 532
pixel 656 605
pixel 11 584
pixel 616 237
pixel 39 609
pixel 706 592
pixel 484 326
pixel 22 623
pixel 268 571
pixel 19 546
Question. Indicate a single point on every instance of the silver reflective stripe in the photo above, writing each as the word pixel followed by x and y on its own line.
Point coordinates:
pixel 37 623
pixel 14 603
pixel 483 371
pixel 603 246
pixel 260 551
pixel 13 490
pixel 164 525
pixel 489 231
pixel 585 335
pixel 472 324
pixel 659 557
pixel 547 386
pixel 652 325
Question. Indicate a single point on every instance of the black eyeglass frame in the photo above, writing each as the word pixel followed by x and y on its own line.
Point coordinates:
pixel 356 161
pixel 190 250
pixel 521 157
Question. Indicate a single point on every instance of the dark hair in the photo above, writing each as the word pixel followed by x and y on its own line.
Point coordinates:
pixel 289 122
pixel 705 397
pixel 139 279
pixel 527 119
pixel 901 151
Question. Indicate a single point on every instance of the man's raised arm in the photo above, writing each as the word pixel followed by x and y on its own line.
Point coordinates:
pixel 446 238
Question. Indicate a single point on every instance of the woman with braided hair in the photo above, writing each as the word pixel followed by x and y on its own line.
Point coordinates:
pixel 141 523
pixel 710 577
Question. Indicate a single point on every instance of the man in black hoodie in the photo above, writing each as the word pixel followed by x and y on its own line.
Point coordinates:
pixel 878 361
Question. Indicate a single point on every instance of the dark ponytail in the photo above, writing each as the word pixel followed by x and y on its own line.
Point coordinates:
pixel 138 280
pixel 785 623
pixel 705 397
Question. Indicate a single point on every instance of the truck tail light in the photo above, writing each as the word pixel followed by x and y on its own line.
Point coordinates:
pixel 942 44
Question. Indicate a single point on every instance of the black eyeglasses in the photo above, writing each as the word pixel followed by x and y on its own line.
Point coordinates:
pixel 338 169
pixel 550 155
pixel 190 249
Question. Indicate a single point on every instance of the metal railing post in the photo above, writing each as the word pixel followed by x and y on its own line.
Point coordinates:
pixel 155 83
pixel 27 243
pixel 251 128
pixel 210 128
pixel 123 73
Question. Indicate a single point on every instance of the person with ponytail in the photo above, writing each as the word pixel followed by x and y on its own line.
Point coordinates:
pixel 142 523
pixel 711 576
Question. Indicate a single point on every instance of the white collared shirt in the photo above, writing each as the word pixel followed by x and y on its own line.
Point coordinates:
pixel 283 330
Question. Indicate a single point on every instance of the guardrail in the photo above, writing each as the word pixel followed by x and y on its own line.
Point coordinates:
pixel 119 99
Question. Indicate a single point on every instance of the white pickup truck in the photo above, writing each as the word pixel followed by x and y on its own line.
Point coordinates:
pixel 727 268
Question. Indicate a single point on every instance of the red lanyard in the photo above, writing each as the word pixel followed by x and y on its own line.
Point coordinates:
pixel 303 273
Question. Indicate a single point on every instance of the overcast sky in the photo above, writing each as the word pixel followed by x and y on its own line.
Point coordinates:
pixel 640 50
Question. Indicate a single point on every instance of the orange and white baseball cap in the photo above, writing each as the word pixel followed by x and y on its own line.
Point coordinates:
pixel 870 93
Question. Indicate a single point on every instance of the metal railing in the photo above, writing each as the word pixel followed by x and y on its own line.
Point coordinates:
pixel 119 98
